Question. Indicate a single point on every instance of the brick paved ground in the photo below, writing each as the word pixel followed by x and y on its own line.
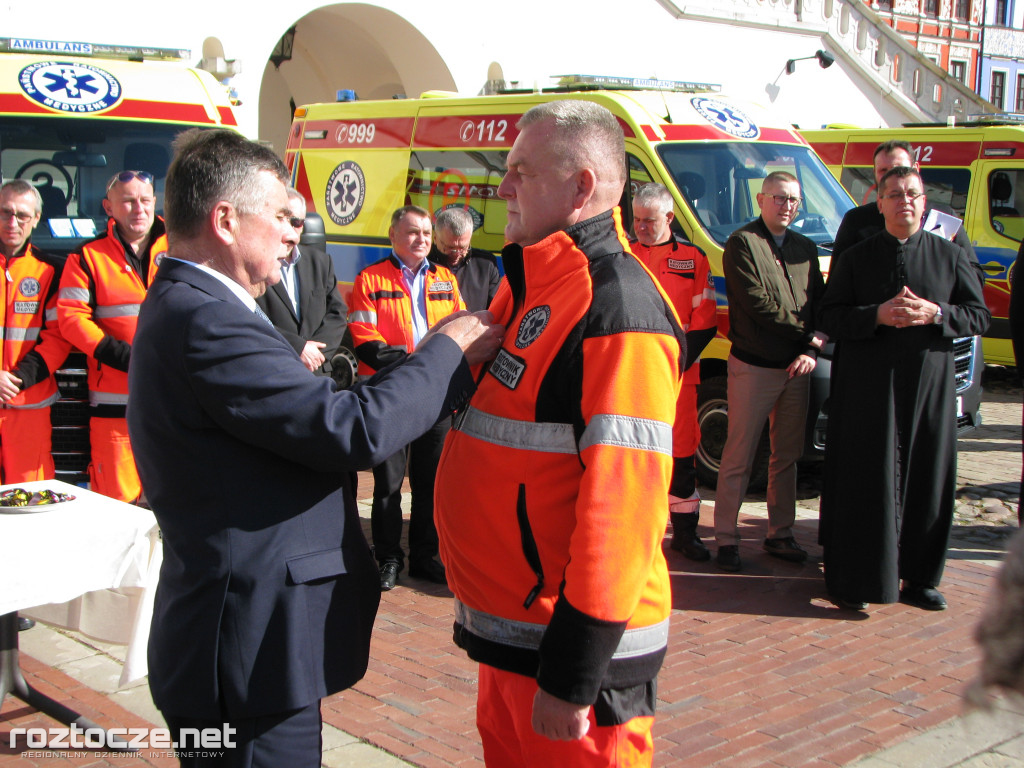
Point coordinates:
pixel 762 670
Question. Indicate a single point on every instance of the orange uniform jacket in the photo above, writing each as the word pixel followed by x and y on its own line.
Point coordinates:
pixel 98 307
pixel 685 275
pixel 33 347
pixel 380 311
pixel 551 494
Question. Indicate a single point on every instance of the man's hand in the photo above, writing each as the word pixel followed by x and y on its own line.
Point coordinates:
pixel 311 355
pixel 802 365
pixel 10 385
pixel 475 332
pixel 557 719
pixel 906 309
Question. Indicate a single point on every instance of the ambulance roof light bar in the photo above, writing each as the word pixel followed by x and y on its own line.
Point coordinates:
pixel 611 83
pixel 98 50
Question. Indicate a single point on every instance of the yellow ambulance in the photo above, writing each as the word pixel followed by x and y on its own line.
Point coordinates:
pixel 72 114
pixel 976 168
pixel 358 161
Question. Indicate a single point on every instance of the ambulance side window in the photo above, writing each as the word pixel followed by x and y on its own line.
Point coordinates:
pixel 1006 202
pixel 860 183
pixel 441 179
pixel 948 186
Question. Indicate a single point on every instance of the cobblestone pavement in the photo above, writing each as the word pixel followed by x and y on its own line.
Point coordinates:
pixel 762 669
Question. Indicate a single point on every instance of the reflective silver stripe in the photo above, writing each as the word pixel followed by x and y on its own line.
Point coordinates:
pixel 44 404
pixel 21 334
pixel 117 310
pixel 525 435
pixel 75 294
pixel 628 432
pixel 50 315
pixel 363 316
pixel 522 634
pixel 107 398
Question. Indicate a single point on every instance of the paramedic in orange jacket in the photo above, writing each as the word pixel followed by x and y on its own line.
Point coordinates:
pixel 552 539
pixel 32 347
pixel 685 275
pixel 393 303
pixel 100 294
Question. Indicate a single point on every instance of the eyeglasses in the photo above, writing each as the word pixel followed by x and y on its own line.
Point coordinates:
pixel 911 196
pixel 453 250
pixel 781 200
pixel 6 214
pixel 296 222
pixel 125 176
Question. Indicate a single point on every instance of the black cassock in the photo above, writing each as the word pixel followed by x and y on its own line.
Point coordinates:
pixel 890 451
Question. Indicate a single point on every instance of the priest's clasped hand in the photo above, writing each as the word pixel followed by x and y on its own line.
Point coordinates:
pixel 906 309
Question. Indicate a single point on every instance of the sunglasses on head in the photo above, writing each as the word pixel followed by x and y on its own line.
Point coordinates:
pixel 125 176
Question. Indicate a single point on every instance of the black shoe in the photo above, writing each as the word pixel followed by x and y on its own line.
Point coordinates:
pixel 921 596
pixel 389 575
pixel 691 546
pixel 728 558
pixel 428 570
pixel 25 623
pixel 850 605
pixel 785 549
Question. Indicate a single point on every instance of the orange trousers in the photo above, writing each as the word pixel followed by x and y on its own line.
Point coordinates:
pixel 112 470
pixel 25 445
pixel 686 430
pixel 504 711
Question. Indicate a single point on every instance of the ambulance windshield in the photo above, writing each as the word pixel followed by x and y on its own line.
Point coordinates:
pixel 720 182
pixel 70 161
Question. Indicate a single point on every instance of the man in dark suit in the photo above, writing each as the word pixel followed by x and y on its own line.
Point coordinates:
pixel 305 305
pixel 268 589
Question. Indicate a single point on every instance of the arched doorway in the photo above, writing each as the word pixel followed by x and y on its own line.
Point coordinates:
pixel 368 49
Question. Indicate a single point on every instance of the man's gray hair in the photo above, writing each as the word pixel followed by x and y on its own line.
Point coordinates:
pixel 214 165
pixel 654 195
pixel 588 134
pixel 455 220
pixel 22 187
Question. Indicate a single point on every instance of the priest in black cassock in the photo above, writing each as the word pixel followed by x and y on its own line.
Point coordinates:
pixel 894 308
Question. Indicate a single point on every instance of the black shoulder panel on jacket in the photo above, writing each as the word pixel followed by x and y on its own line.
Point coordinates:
pixel 625 299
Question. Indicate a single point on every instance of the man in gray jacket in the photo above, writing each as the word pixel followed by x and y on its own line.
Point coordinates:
pixel 773 283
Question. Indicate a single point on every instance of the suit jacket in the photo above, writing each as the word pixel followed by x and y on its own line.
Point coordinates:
pixel 268 589
pixel 321 308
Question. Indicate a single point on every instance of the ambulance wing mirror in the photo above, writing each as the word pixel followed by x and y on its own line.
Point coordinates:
pixel 313 233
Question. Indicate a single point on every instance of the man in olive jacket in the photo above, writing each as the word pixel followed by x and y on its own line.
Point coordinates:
pixel 773 283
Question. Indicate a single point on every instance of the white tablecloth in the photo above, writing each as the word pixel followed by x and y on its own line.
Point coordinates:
pixel 90 564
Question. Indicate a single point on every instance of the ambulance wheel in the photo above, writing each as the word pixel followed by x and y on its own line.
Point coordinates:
pixel 713 418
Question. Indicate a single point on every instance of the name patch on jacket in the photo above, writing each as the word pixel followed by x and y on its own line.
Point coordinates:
pixel 441 286
pixel 532 325
pixel 683 265
pixel 26 307
pixel 508 369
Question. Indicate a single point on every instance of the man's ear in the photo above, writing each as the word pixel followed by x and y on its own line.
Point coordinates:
pixel 586 185
pixel 107 209
pixel 224 222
